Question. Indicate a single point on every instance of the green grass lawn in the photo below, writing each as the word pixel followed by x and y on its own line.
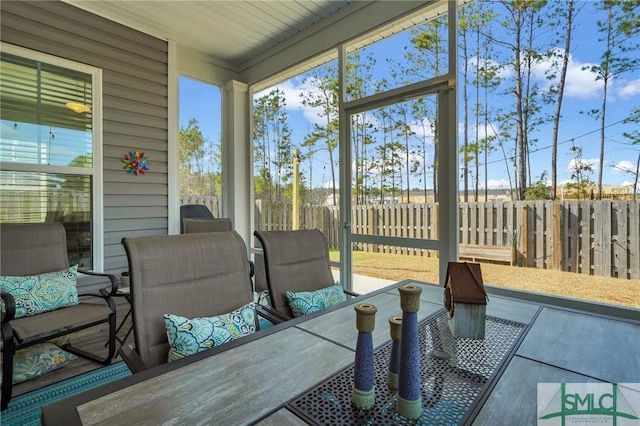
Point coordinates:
pixel 398 267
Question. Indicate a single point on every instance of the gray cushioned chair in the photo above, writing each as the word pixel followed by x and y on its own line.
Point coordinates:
pixel 191 275
pixel 260 277
pixel 36 248
pixel 294 261
pixel 194 211
pixel 191 225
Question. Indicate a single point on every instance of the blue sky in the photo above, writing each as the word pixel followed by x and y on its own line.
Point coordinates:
pixel 203 102
pixel 582 93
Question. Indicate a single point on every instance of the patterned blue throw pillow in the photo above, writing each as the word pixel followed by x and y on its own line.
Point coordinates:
pixel 308 302
pixel 35 294
pixel 37 360
pixel 189 336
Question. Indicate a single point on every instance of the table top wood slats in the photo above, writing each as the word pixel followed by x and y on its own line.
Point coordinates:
pixel 232 387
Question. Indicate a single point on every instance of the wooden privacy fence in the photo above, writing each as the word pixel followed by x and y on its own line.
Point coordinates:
pixel 587 237
pixel 211 201
pixel 276 216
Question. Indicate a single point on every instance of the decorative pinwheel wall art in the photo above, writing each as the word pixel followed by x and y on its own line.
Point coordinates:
pixel 136 162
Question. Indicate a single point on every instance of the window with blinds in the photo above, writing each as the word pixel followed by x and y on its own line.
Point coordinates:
pixel 46 149
pixel 38 107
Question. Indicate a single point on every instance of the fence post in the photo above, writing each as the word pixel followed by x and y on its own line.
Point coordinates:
pixel 371 229
pixel 434 227
pixel 602 238
pixel 435 224
pixel 524 236
pixel 556 238
pixel 633 239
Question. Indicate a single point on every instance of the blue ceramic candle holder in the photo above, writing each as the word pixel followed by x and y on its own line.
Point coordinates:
pixel 409 403
pixel 363 395
pixel 395 329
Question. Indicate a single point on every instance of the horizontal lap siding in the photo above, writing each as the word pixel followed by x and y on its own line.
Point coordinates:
pixel 134 77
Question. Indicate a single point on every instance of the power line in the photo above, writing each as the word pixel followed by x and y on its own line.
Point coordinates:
pixel 566 141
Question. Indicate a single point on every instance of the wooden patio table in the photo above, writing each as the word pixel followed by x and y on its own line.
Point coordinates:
pixel 248 381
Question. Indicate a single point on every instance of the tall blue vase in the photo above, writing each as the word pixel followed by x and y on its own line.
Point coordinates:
pixel 395 329
pixel 409 403
pixel 363 395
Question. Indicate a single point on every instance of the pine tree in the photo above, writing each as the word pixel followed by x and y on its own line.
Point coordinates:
pixel 617 31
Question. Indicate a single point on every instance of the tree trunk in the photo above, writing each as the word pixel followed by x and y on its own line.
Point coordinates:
pixel 435 160
pixel 556 117
pixel 635 182
pixel 603 112
pixel 477 148
pixel 520 143
pixel 465 98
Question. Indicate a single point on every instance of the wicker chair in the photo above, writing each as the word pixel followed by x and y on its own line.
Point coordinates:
pixel 191 275
pixel 36 248
pixel 294 261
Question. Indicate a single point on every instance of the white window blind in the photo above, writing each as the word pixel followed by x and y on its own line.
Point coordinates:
pixel 39 127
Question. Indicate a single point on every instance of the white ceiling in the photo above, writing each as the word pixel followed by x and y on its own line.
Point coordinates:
pixel 233 31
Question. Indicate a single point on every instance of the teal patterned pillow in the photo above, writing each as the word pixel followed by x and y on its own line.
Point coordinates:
pixel 189 336
pixel 36 294
pixel 308 302
pixel 37 360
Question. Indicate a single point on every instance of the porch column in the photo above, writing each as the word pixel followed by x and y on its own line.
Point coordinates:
pixel 236 158
pixel 448 156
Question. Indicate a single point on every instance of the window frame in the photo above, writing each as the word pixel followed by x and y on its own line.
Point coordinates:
pixel 223 165
pixel 96 170
pixel 444 85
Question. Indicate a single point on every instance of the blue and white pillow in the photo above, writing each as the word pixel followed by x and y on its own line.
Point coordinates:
pixel 35 294
pixel 37 360
pixel 189 336
pixel 308 302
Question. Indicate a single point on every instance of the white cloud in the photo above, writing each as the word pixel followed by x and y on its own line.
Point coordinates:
pixel 579 83
pixel 624 166
pixel 292 94
pixel 369 118
pixel 328 184
pixel 502 71
pixel 593 162
pixel 482 131
pixel 629 89
pixel 498 184
pixel 422 129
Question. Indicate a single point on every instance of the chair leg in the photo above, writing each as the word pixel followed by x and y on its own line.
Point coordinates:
pixel 112 338
pixel 122 324
pixel 126 336
pixel 8 351
pixel 112 345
